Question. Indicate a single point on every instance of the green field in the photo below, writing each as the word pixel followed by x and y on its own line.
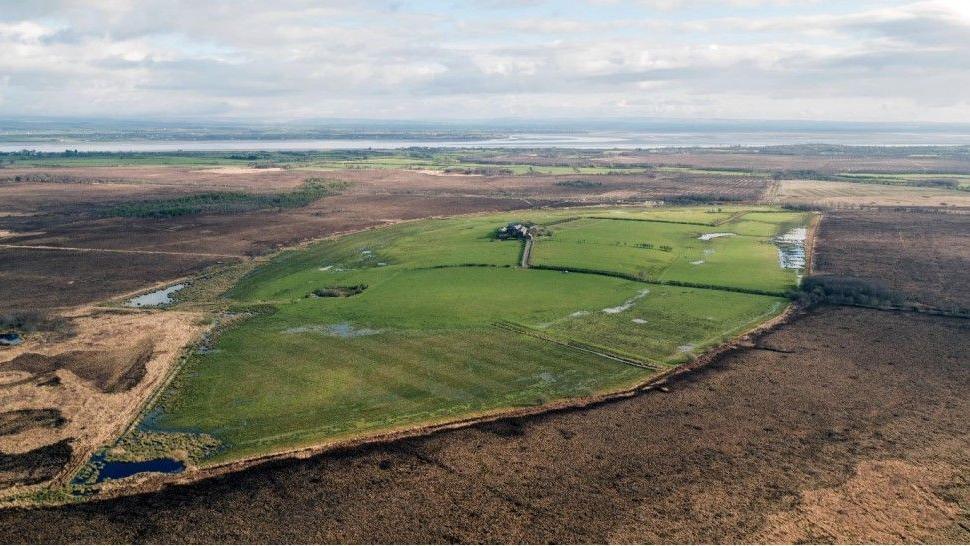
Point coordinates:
pixel 957 181
pixel 443 324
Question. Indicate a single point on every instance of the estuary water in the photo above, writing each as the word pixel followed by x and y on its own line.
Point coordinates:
pixel 580 140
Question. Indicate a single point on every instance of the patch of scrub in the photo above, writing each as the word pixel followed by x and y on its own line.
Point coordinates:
pixel 627 304
pixel 639 321
pixel 156 298
pixel 709 236
pixel 342 329
pixel 791 248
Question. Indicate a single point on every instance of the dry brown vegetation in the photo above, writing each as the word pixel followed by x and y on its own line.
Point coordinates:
pixel 823 161
pixel 63 397
pixel 825 194
pixel 924 255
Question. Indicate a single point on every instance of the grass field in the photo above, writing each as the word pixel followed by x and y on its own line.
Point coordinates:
pixel 742 258
pixel 443 324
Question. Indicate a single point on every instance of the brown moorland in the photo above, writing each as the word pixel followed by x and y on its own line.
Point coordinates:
pixel 924 255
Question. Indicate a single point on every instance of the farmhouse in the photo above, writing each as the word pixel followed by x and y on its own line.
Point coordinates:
pixel 514 231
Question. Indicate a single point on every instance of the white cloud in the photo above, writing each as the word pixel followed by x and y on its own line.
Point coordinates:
pixel 297 58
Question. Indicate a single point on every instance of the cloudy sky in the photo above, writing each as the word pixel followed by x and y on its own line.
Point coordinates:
pixel 296 59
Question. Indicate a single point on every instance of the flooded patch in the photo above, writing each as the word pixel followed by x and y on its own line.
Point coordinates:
pixel 336 330
pixel 639 321
pixel 627 304
pixel 697 262
pixel 709 236
pixel 327 268
pixel 9 339
pixel 686 348
pixel 156 298
pixel 578 314
pixel 791 248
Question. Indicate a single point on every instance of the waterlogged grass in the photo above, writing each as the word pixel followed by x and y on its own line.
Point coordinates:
pixel 450 327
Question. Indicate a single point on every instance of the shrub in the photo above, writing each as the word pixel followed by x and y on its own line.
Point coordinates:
pixel 844 290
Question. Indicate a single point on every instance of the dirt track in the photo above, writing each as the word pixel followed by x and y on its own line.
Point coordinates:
pixel 858 434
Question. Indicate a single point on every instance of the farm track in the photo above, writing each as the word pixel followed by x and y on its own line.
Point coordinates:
pixel 123 251
pixel 527 253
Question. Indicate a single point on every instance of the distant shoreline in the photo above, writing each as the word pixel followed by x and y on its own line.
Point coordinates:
pixel 597 140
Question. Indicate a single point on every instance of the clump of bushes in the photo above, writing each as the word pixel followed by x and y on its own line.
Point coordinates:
pixel 579 184
pixel 844 290
pixel 33 321
pixel 339 291
pixel 227 202
pixel 483 171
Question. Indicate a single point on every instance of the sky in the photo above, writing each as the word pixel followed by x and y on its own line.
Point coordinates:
pixel 286 60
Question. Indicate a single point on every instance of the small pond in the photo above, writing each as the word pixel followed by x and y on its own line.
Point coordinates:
pixel 156 298
pixel 116 470
pixel 10 338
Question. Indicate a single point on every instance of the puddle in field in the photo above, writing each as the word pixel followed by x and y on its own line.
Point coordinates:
pixel 156 298
pixel 639 321
pixel 627 304
pixel 342 329
pixel 686 348
pixel 709 236
pixel 327 268
pixel 791 248
pixel 578 314
pixel 10 339
pixel 697 262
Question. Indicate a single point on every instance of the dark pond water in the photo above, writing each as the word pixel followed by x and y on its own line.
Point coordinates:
pixel 10 338
pixel 116 470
